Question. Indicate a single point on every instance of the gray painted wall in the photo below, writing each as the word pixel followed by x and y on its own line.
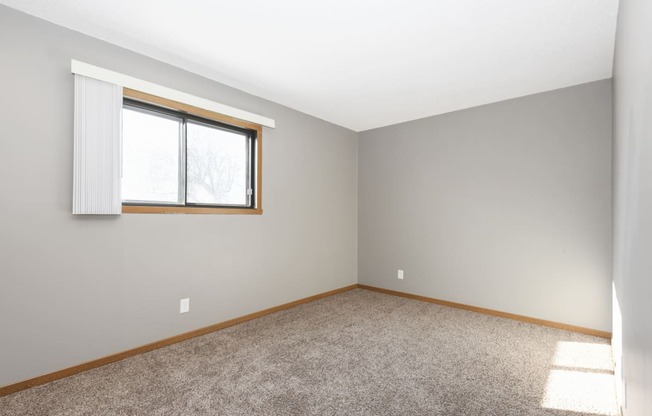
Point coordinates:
pixel 633 204
pixel 73 289
pixel 505 206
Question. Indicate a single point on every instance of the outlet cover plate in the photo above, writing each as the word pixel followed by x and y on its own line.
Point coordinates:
pixel 184 305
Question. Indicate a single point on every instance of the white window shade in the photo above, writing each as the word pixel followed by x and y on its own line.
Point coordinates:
pixel 97 147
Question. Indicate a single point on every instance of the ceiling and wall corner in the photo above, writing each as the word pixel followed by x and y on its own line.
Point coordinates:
pixel 362 64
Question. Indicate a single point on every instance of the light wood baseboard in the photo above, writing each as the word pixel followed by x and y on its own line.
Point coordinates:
pixel 536 321
pixel 13 388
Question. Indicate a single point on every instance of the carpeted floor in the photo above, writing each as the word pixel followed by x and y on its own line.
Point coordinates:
pixel 356 353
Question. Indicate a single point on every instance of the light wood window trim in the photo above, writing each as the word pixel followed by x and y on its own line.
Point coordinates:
pixel 211 115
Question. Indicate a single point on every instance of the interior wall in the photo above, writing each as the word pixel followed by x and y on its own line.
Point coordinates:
pixel 505 206
pixel 633 206
pixel 74 289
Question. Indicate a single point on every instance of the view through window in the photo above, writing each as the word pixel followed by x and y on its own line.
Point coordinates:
pixel 171 158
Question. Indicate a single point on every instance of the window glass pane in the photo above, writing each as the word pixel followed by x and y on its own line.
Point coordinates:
pixel 150 157
pixel 217 163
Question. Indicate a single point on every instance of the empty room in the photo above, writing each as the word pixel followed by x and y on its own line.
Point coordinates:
pixel 326 208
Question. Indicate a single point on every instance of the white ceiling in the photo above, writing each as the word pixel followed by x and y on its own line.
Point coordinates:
pixel 361 63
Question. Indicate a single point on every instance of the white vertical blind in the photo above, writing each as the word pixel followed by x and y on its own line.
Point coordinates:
pixel 97 147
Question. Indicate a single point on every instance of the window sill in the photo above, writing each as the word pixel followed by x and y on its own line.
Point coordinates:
pixel 147 209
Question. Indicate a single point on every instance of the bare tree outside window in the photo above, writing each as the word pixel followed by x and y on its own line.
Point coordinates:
pixel 172 158
pixel 216 166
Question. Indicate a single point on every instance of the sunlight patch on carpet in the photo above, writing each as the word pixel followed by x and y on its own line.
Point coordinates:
pixel 581 379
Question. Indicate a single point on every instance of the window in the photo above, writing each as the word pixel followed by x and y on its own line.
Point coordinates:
pixel 175 160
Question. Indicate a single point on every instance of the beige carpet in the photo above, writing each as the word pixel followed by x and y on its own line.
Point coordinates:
pixel 357 353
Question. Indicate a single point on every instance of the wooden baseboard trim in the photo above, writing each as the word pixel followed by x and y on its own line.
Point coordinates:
pixel 536 321
pixel 67 372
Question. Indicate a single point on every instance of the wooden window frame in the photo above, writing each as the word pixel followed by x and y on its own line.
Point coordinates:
pixel 210 115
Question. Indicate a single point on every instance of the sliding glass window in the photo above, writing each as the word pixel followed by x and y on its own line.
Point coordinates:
pixel 171 158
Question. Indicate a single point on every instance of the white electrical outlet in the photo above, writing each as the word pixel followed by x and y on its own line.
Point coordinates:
pixel 400 274
pixel 184 305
